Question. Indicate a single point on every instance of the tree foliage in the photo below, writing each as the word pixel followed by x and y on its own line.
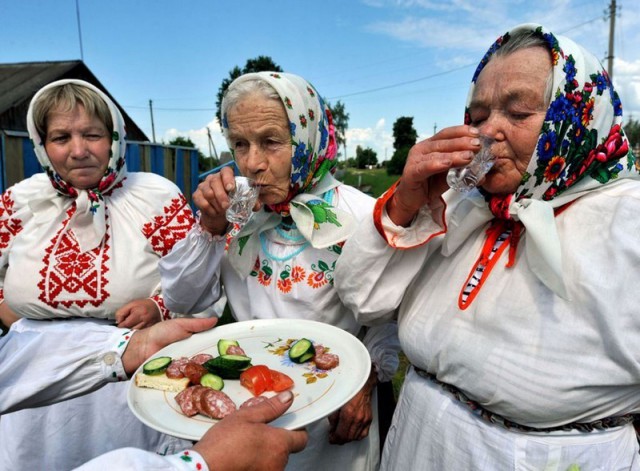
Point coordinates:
pixel 204 163
pixel 632 130
pixel 259 64
pixel 365 157
pixel 341 122
pixel 404 137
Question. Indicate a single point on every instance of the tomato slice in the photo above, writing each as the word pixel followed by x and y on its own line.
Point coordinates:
pixel 281 381
pixel 257 379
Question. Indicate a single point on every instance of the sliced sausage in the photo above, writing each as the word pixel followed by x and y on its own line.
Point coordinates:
pixel 201 358
pixel 198 391
pixel 185 401
pixel 235 350
pixel 327 361
pixel 216 404
pixel 194 372
pixel 319 349
pixel 174 370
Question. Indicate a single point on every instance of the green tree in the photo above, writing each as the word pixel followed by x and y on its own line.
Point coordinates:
pixel 259 64
pixel 365 157
pixel 341 122
pixel 204 163
pixel 632 130
pixel 404 137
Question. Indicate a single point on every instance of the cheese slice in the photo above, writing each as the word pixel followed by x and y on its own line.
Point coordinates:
pixel 161 382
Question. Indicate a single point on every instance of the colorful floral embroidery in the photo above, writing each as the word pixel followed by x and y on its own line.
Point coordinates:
pixel 263 273
pixel 322 213
pixel 321 275
pixel 297 274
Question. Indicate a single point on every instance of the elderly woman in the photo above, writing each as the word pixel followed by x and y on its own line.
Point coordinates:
pixel 280 264
pixel 514 305
pixel 83 240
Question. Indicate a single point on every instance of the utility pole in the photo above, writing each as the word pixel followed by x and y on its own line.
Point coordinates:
pixel 79 30
pixel 212 146
pixel 153 128
pixel 435 128
pixel 612 27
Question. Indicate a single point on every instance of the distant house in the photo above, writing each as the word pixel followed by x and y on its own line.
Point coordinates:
pixel 20 81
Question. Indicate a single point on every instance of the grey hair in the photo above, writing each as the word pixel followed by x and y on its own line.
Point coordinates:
pixel 525 39
pixel 237 91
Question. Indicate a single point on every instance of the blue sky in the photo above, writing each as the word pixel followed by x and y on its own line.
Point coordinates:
pixel 382 58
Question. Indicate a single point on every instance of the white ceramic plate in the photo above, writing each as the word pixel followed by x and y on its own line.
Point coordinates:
pixel 317 393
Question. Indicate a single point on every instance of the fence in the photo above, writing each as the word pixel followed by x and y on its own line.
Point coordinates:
pixel 178 164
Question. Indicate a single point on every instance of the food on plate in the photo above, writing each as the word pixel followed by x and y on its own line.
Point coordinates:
pixel 212 381
pixel 260 378
pixel 161 382
pixel 229 347
pixel 206 401
pixel 156 366
pixel 228 366
pixel 302 350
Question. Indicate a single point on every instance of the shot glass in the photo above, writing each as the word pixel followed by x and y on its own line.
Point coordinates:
pixel 242 201
pixel 464 179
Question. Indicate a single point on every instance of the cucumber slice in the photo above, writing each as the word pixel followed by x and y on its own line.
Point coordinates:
pixel 224 344
pixel 228 366
pixel 212 381
pixel 302 351
pixel 156 366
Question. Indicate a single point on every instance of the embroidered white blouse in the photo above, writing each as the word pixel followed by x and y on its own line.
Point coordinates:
pixel 44 274
pixel 290 280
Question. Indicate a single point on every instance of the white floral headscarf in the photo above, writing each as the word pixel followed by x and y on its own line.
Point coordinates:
pixel 313 150
pixel 88 222
pixel 581 148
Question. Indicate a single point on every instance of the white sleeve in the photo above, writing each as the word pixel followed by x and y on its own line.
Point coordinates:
pixel 43 362
pixel 133 459
pixel 372 276
pixel 190 273
pixel 383 345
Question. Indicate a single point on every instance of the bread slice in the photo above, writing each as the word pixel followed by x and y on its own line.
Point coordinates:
pixel 161 382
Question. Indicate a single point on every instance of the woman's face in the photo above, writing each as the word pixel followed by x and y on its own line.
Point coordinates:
pixel 509 105
pixel 78 147
pixel 260 137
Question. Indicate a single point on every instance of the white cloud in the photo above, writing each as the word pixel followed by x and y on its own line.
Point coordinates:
pixel 626 79
pixel 377 138
pixel 200 138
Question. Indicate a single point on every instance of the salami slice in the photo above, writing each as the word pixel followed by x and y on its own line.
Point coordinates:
pixel 185 401
pixel 198 392
pixel 194 372
pixel 174 370
pixel 216 404
pixel 235 350
pixel 252 401
pixel 326 361
pixel 319 349
pixel 201 358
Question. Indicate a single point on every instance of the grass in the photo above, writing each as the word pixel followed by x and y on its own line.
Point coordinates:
pixel 375 182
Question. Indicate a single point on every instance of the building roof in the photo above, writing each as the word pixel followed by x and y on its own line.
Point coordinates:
pixel 20 81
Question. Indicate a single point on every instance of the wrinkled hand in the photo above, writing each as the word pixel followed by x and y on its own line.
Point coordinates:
pixel 212 199
pixel 424 175
pixel 147 342
pixel 138 314
pixel 243 441
pixel 352 421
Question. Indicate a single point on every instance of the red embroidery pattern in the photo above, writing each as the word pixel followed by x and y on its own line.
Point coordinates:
pixel 1 294
pixel 164 231
pixel 9 226
pixel 67 271
pixel 165 314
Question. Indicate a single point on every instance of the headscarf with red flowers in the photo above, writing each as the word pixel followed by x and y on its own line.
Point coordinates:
pixel 581 148
pixel 88 222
